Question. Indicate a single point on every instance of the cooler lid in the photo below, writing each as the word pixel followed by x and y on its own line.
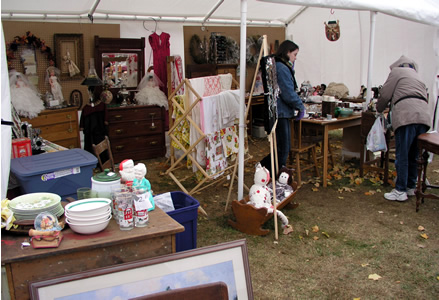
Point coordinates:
pixel 50 162
pixel 106 176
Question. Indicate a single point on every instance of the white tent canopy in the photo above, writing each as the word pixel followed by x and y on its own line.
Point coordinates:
pixel 402 27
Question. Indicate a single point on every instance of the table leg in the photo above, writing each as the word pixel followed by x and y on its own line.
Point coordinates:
pixel 325 156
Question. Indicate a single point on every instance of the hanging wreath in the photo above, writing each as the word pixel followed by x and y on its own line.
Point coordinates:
pixel 254 44
pixel 29 40
pixel 197 50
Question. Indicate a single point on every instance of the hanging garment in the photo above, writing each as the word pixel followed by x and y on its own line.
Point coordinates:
pixel 230 141
pixel 92 122
pixel 160 50
pixel 215 160
pixel 271 91
pixel 181 132
pixel 177 74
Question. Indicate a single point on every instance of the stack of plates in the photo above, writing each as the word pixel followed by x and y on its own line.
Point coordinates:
pixel 27 207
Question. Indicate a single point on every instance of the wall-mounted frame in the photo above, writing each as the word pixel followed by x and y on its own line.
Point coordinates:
pixel 69 45
pixel 76 99
pixel 223 263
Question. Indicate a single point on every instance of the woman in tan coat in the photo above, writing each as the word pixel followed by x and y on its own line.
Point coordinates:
pixel 410 117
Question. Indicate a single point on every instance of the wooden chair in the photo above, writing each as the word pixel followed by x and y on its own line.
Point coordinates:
pixel 427 142
pixel 101 150
pixel 299 149
pixel 380 164
pixel 249 219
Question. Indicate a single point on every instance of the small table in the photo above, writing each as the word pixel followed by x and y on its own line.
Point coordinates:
pixel 427 142
pixel 78 252
pixel 326 126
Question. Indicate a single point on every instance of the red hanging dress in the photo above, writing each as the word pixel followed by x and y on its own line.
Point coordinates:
pixel 160 50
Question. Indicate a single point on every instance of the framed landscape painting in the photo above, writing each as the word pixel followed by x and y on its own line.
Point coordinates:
pixel 222 267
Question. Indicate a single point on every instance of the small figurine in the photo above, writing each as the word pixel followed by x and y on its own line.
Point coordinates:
pixel 55 87
pixel 260 196
pixel 47 232
pixel 126 170
pixel 73 68
pixel 140 181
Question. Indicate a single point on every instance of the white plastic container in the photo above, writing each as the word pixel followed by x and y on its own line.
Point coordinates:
pixel 104 182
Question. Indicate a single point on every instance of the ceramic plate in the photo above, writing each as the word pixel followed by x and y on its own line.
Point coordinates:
pixel 34 202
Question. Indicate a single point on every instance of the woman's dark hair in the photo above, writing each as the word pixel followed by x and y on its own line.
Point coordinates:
pixel 284 48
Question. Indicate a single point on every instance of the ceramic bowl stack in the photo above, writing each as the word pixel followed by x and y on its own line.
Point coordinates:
pixel 29 206
pixel 88 216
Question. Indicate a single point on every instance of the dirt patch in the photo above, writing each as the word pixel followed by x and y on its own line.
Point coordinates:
pixel 359 234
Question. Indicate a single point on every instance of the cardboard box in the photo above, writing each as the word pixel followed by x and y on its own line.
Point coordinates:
pixel 21 147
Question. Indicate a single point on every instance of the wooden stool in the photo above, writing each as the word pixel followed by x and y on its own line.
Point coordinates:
pixel 427 142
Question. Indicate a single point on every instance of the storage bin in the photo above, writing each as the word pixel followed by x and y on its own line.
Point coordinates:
pixel 185 213
pixel 61 172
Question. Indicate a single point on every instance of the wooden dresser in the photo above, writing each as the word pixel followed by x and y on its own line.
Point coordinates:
pixel 59 126
pixel 136 132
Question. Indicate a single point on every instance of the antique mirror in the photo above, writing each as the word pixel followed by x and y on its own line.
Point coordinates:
pixel 120 62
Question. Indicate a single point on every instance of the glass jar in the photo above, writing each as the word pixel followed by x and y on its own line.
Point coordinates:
pixel 141 206
pixel 125 209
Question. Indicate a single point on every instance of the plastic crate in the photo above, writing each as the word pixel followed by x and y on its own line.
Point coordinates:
pixel 185 213
pixel 61 172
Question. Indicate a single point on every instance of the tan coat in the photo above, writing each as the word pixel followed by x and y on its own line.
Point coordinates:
pixel 404 81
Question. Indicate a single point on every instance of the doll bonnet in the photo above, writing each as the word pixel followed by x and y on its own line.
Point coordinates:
pixel 262 176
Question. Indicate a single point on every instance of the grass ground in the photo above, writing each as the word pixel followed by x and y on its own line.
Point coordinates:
pixel 343 235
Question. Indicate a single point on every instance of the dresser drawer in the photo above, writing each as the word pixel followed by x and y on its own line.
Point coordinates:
pixel 136 143
pixel 134 128
pixel 57 132
pixel 135 114
pixel 69 143
pixel 53 117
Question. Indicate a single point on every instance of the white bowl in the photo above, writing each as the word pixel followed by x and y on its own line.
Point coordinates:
pixel 91 206
pixel 89 228
pixel 86 221
pixel 81 216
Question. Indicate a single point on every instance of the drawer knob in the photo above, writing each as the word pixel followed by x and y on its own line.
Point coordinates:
pixel 69 116
pixel 120 147
pixel 152 115
pixel 70 130
pixel 119 131
pixel 153 143
pixel 118 117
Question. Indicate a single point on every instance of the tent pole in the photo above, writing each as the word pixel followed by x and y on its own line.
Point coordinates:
pixel 242 69
pixel 373 15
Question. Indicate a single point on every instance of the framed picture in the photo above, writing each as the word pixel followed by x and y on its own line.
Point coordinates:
pixel 76 99
pixel 69 54
pixel 219 267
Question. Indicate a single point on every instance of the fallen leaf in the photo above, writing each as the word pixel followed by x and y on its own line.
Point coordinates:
pixel 357 299
pixel 421 246
pixel 316 184
pixel 358 181
pixel 275 242
pixel 380 212
pixel 307 232
pixel 315 228
pixel 340 197
pixel 315 238
pixel 325 234
pixel 374 276
pixel 364 265
pixel 421 228
pixel 401 222
pixel 315 189
pixel 436 171
pixel 424 235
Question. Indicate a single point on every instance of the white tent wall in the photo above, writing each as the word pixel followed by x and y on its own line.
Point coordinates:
pixel 346 60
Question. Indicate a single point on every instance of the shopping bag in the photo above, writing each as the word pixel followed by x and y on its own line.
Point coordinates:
pixel 376 139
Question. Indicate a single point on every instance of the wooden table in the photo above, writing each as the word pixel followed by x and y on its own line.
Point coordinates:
pixel 85 252
pixel 325 126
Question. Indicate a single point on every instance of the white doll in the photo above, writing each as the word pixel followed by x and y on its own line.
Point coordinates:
pixel 25 97
pixel 55 87
pixel 150 93
pixel 260 196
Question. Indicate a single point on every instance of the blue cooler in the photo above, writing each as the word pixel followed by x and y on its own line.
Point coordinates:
pixel 185 213
pixel 61 172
